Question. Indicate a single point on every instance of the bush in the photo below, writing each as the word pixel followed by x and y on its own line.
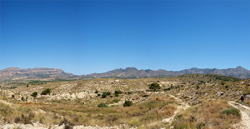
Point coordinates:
pixel 45 92
pixel 154 86
pixel 116 100
pixel 118 92
pixel 116 95
pixel 96 91
pixel 102 105
pixel 34 94
pixel 127 103
pixel 105 94
pixel 167 89
pixel 232 110
pixel 108 93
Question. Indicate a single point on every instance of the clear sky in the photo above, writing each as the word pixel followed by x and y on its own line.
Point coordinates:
pixel 83 37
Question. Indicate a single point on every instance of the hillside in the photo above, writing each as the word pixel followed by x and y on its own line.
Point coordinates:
pixel 186 101
pixel 14 73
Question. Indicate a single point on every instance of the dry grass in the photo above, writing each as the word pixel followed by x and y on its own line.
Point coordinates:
pixel 194 89
pixel 209 114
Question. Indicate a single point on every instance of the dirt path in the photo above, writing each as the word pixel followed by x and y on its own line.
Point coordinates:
pixel 245 116
pixel 169 120
pixel 183 107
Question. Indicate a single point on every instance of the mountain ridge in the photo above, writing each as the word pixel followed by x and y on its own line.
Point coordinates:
pixel 132 72
pixel 13 73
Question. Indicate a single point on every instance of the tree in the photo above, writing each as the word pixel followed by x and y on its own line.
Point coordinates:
pixel 154 86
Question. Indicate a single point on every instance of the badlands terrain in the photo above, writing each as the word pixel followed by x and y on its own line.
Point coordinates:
pixel 190 101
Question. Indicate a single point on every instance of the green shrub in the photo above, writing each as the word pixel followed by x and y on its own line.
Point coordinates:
pixel 96 91
pixel 116 100
pixel 34 94
pixel 127 103
pixel 102 105
pixel 231 110
pixel 167 89
pixel 45 92
pixel 116 95
pixel 105 94
pixel 154 86
pixel 118 92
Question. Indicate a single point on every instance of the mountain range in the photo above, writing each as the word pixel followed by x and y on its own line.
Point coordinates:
pixel 14 73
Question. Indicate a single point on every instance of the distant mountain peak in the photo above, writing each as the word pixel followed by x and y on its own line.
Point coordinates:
pixel 239 67
pixel 131 68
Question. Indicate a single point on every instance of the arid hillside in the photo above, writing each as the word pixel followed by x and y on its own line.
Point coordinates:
pixel 186 101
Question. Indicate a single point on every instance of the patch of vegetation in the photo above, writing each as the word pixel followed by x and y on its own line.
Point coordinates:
pixel 118 92
pixel 154 86
pixel 128 103
pixel 34 94
pixel 46 92
pixel 105 94
pixel 222 78
pixel 231 110
pixel 116 100
pixel 102 105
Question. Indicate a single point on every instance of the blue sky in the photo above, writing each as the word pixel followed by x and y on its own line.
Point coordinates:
pixel 83 37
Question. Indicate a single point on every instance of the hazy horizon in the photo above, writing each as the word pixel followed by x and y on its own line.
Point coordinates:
pixel 83 37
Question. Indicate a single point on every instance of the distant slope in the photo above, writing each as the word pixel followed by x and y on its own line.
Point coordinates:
pixel 14 73
pixel 131 72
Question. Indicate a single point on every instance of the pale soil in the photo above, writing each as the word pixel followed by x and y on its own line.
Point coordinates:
pixel 245 116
